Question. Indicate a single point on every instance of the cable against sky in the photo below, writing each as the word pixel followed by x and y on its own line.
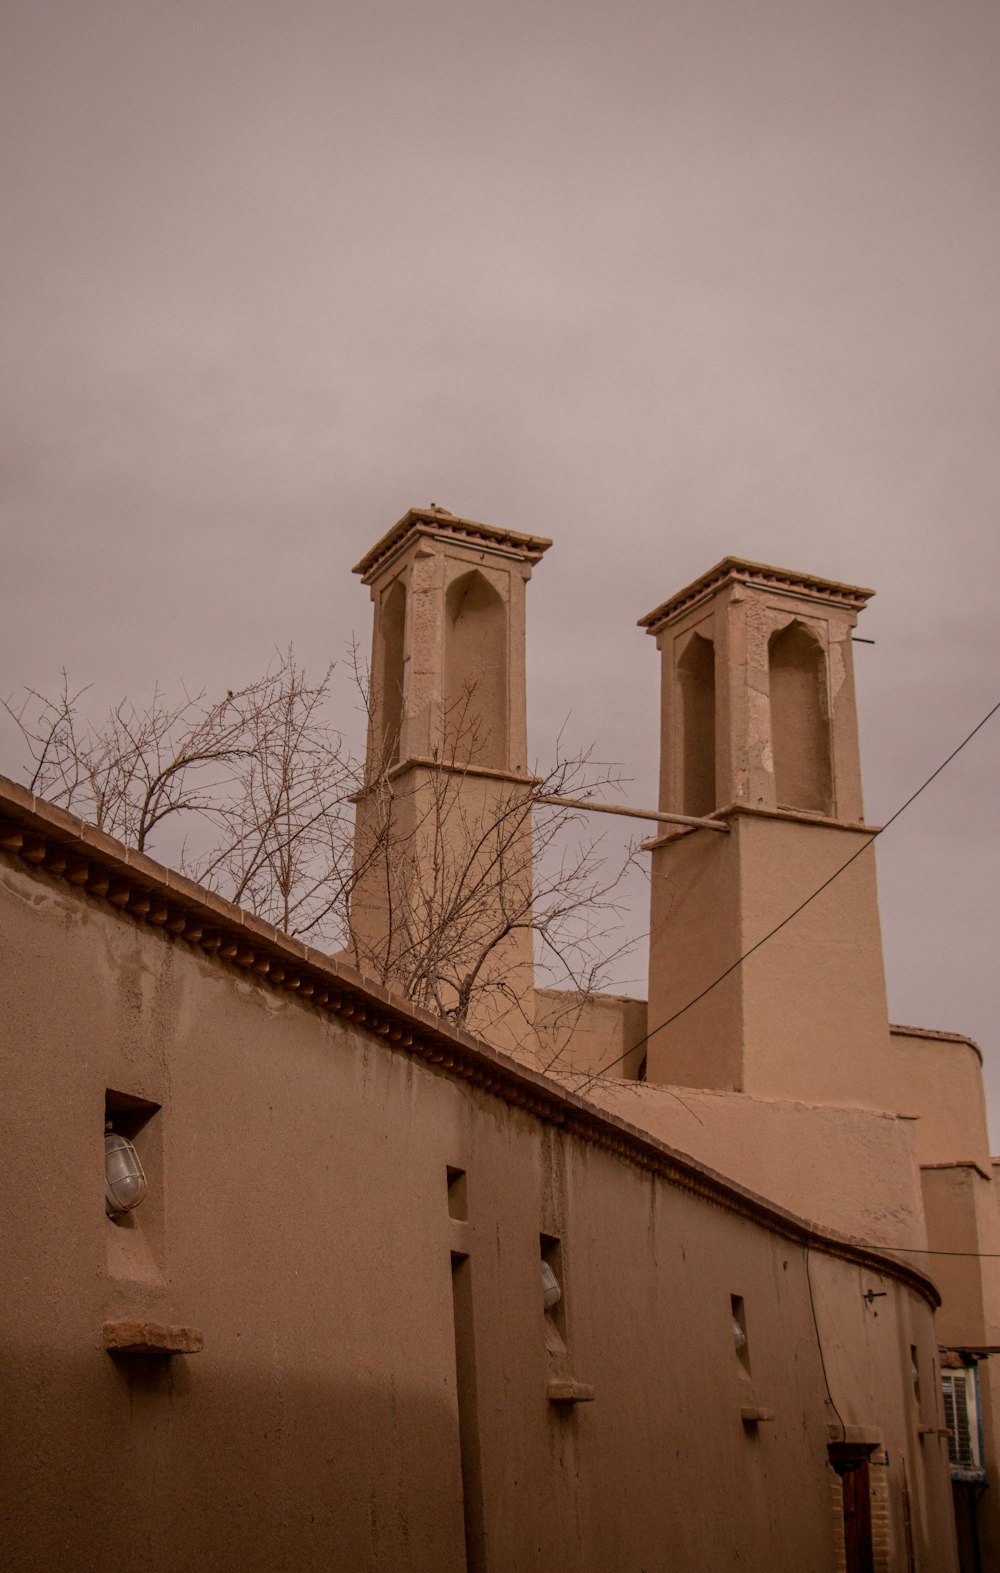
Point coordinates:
pixel 603 1069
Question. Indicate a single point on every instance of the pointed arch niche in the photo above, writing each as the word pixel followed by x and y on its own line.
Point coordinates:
pixel 475 672
pixel 696 680
pixel 390 696
pixel 800 720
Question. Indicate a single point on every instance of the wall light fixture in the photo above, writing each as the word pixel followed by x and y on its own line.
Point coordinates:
pixel 124 1181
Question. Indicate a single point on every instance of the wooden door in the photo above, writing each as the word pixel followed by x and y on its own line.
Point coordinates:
pixel 858 1520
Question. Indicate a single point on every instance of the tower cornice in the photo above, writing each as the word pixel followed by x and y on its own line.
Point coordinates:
pixel 762 576
pixel 439 523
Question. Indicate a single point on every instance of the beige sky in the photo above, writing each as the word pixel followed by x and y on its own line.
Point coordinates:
pixel 663 281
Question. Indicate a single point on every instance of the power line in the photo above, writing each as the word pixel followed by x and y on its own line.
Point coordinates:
pixel 802 905
pixel 922 1250
pixel 819 1345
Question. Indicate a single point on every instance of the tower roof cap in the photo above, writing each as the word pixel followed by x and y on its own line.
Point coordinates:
pixel 737 570
pixel 438 522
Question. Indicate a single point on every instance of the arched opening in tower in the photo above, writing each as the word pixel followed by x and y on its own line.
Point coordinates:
pixel 800 720
pixel 475 673
pixel 389 700
pixel 696 675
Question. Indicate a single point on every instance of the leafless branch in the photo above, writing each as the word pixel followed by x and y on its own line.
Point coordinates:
pixel 467 874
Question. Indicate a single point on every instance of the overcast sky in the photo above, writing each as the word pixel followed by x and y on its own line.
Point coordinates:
pixel 663 281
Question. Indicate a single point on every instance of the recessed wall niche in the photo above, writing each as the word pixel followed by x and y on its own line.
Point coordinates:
pixel 135 1240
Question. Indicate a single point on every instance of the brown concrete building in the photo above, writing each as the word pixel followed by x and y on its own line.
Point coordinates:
pixel 330 1335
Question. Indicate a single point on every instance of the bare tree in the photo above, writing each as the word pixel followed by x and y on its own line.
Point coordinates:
pixel 451 881
pixel 257 782
pixel 463 874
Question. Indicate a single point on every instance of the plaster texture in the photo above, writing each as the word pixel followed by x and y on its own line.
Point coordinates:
pixel 743 610
pixel 448 717
pixel 580 1035
pixel 356 1232
pixel 856 1171
pixel 805 1016
pixel 939 1080
pixel 321 1340
pixel 758 724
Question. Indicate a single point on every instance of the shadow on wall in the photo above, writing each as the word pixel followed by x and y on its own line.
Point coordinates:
pixel 215 1468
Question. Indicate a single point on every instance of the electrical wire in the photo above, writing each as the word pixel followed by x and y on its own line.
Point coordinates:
pixel 802 905
pixel 819 1345
pixel 922 1250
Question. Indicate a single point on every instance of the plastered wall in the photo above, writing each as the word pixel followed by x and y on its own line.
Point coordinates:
pixel 851 1169
pixel 804 1017
pixel 306 1227
pixel 939 1081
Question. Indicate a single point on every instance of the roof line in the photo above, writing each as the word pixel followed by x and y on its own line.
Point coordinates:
pixel 765 576
pixel 438 522
pixel 100 868
pixel 937 1036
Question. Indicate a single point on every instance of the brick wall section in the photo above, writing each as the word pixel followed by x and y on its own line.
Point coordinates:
pixel 837 1506
pixel 881 1523
pixel 878 1488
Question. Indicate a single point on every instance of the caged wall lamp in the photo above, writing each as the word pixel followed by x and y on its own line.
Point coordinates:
pixel 124 1181
pixel 551 1292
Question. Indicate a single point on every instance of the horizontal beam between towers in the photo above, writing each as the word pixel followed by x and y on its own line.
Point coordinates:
pixel 633 813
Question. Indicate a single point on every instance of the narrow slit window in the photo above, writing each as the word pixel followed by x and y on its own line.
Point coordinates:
pixel 458 1195
pixel 915 1372
pixel 739 1325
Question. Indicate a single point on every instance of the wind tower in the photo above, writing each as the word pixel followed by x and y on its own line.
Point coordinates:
pixel 443 832
pixel 759 728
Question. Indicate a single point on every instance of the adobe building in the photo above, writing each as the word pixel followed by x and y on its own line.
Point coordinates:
pixel 396 1298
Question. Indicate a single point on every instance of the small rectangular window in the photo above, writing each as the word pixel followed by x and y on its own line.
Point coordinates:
pixel 960 1389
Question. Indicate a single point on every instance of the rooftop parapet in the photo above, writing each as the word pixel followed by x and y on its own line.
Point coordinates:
pixel 435 521
pixel 737 570
pixel 58 845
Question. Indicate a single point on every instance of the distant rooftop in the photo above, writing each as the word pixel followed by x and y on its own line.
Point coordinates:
pixel 438 521
pixel 736 570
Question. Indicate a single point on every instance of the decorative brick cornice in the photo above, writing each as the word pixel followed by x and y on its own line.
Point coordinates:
pixel 761 576
pixel 60 845
pixel 465 532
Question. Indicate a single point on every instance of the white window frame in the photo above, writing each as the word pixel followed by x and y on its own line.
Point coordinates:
pixel 963 1417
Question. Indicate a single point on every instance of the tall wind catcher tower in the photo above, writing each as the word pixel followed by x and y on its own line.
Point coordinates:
pixel 443 834
pixel 759 726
